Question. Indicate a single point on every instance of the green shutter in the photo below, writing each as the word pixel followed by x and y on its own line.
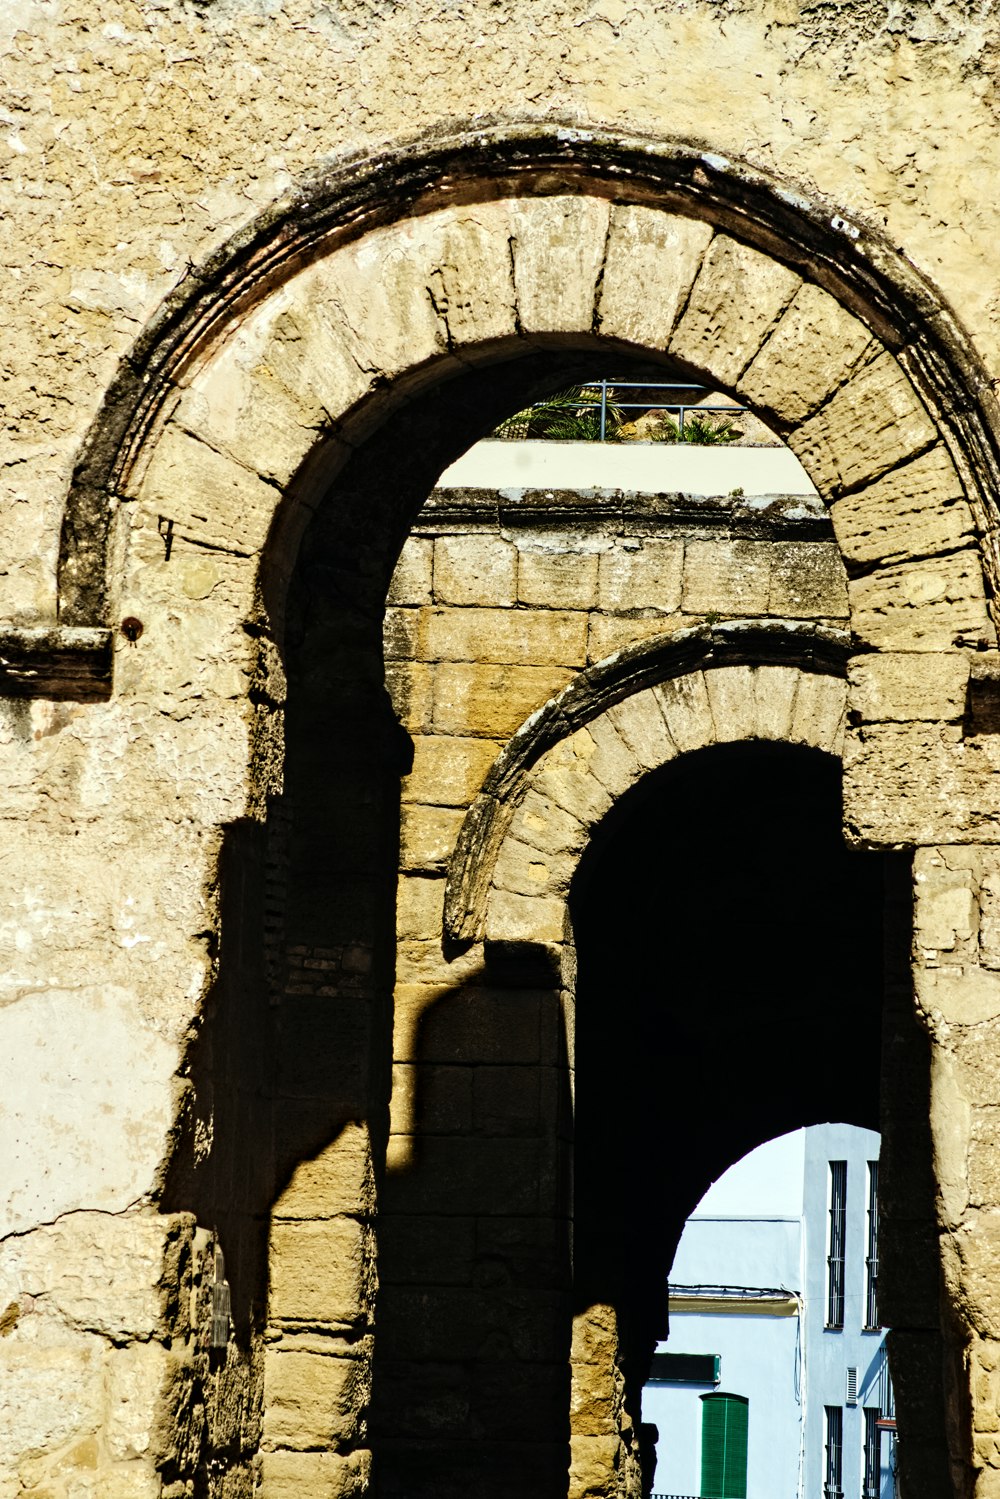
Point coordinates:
pixel 724 1432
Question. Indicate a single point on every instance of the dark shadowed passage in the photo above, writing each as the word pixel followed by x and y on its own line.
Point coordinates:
pixel 736 960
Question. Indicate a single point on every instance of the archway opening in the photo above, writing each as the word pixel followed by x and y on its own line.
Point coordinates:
pixel 317 916
pixel 737 966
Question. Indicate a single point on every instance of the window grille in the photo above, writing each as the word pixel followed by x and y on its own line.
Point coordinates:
pixel 834 1452
pixel 838 1235
pixel 871 1260
pixel 873 1453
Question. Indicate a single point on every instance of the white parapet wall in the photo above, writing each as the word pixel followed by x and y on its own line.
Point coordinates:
pixel 652 467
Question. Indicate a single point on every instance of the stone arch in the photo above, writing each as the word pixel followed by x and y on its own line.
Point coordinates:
pixel 575 783
pixel 524 833
pixel 222 439
pixel 267 364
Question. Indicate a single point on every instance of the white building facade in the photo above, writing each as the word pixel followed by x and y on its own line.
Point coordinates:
pixel 773 1383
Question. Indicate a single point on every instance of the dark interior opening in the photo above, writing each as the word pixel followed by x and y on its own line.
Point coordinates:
pixel 734 959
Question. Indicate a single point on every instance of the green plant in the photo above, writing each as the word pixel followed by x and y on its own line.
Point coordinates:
pixel 703 431
pixel 562 417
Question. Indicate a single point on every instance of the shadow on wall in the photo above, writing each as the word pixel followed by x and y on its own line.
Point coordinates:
pixel 471 1391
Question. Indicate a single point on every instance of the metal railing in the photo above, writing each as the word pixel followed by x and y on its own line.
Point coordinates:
pixel 600 402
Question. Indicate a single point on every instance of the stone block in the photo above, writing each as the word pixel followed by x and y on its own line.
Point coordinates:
pixel 639 722
pixel 401 634
pixel 558 248
pixel 732 702
pixel 775 688
pixel 427 836
pixel 456 1025
pixel 371 306
pixel 651 260
pixel 507 1100
pixel 321 1475
pixel 475 570
pixel 516 636
pixel 609 634
pixel 412 578
pixel 212 499
pixel 815 347
pixel 646 577
pixel 104 1272
pixel 525 871
pixel 975 1247
pixel 919 784
pixel 51 1393
pixel 524 918
pixel 447 772
pixel 427 1249
pixel 819 713
pixel 932 605
pixel 728 577
pixel 544 825
pixel 955 994
pixel 563 776
pixel 612 762
pixel 873 423
pixel 313 1400
pixel 807 582
pixel 945 913
pixel 916 510
pixel 339 1179
pixel 425 963
pixel 465 255
pixel 136 1377
pixel 687 711
pixel 738 296
pixel 239 404
pixel 419 907
pixel 557 580
pixel 410 686
pixel 466 1175
pixel 491 700
pixel 430 1097
pixel 904 687
pixel 320 1272
pixel 592 1459
pixel 975 1056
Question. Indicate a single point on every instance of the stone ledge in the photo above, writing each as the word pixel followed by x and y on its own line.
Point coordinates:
pixel 769 516
pixel 55 661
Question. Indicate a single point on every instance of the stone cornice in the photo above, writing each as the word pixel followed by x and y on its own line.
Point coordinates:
pixel 770 517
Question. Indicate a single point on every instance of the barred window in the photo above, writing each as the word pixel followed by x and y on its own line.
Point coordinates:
pixel 838 1236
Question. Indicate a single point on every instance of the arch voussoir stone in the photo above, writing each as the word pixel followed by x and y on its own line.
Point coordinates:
pixel 814 349
pixel 738 296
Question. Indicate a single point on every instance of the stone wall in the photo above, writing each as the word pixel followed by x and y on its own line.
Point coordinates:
pixel 266 280
pixel 500 602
